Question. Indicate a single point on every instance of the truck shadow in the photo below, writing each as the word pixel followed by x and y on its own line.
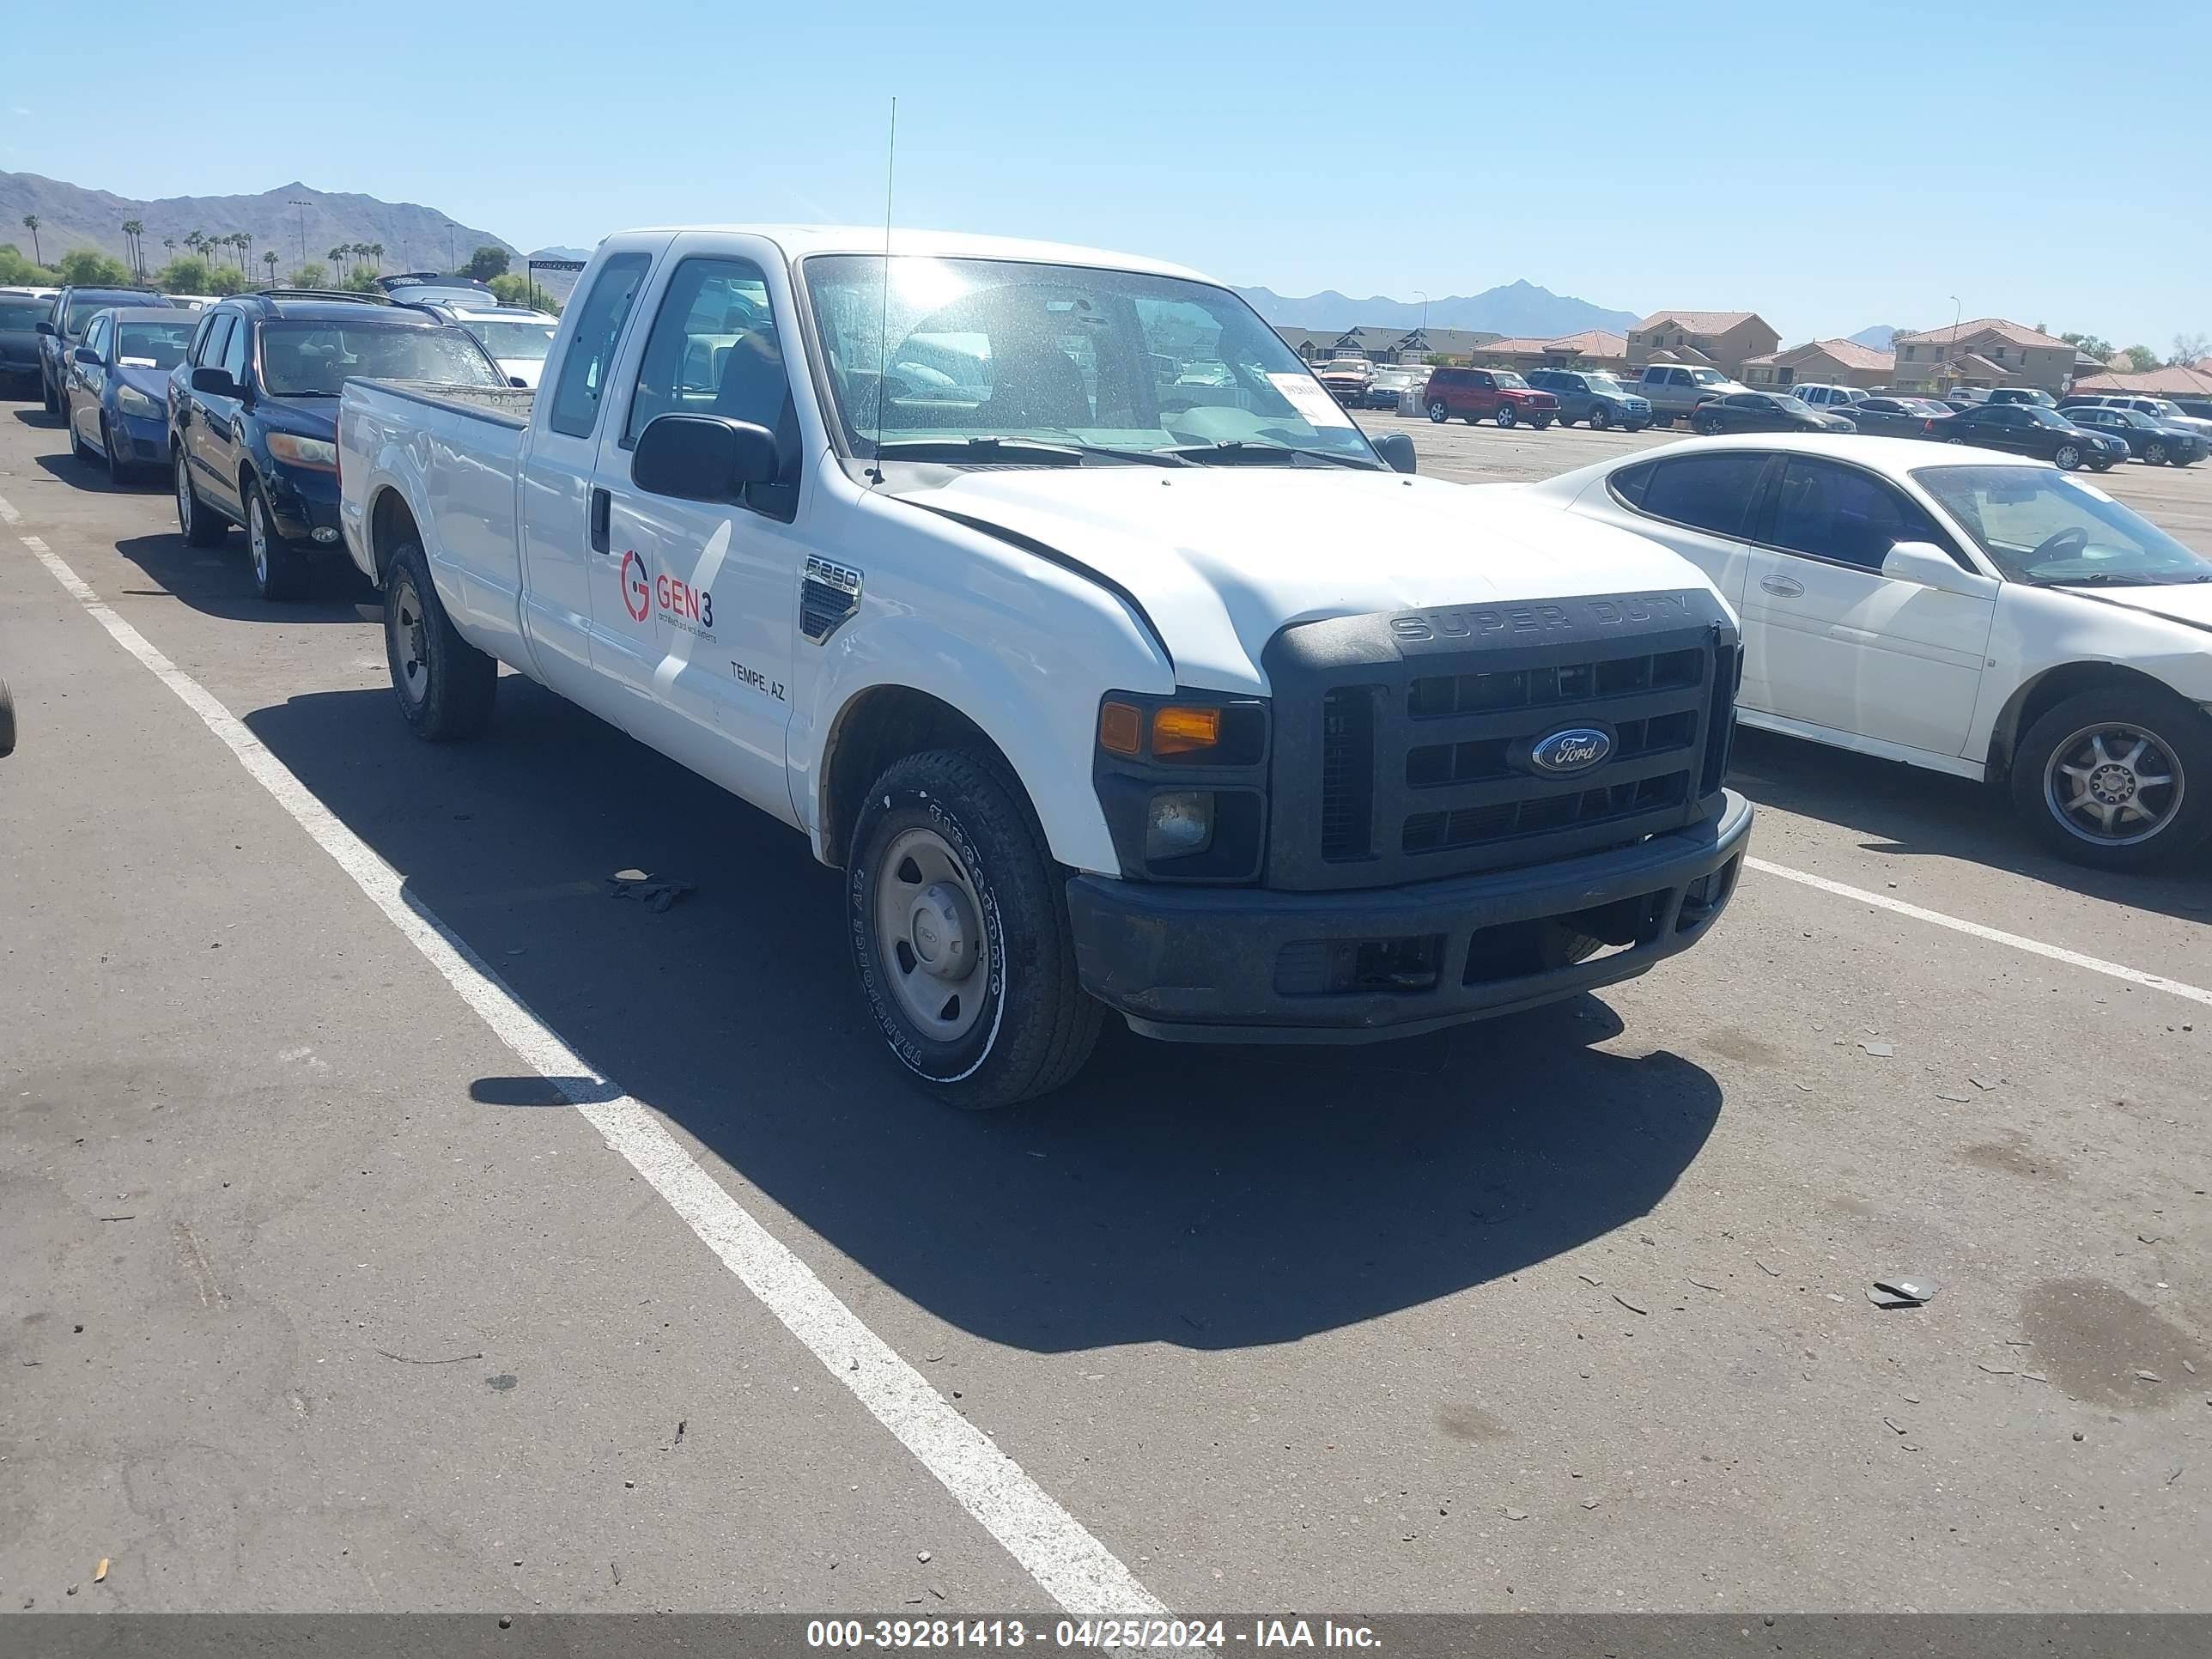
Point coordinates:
pixel 1904 811
pixel 1209 1198
pixel 218 581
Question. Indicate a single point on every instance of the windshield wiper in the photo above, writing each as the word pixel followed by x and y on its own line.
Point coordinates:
pixel 992 448
pixel 1234 451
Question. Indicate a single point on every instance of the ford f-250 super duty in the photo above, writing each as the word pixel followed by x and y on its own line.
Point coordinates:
pixel 1108 691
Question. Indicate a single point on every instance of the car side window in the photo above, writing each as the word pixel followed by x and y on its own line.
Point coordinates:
pixel 233 349
pixel 212 342
pixel 591 351
pixel 1706 492
pixel 95 337
pixel 1829 511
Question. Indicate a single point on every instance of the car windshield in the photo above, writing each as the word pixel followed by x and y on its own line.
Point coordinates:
pixel 82 306
pixel 315 360
pixel 1072 358
pixel 1508 379
pixel 1923 406
pixel 17 313
pixel 2041 416
pixel 153 345
pixel 520 340
pixel 1605 383
pixel 2039 526
pixel 2162 408
pixel 1794 405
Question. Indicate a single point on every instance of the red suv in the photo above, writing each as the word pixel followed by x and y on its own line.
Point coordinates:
pixel 1499 393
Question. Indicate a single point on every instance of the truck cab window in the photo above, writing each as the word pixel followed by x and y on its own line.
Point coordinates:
pixel 585 365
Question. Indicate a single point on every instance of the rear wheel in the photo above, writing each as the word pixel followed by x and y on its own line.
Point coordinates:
pixel 2120 778
pixel 7 721
pixel 1505 416
pixel 280 569
pixel 445 686
pixel 197 521
pixel 1708 425
pixel 960 934
pixel 1439 413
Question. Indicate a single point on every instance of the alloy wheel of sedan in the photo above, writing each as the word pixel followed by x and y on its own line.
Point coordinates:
pixel 2069 457
pixel 2154 453
pixel 2113 785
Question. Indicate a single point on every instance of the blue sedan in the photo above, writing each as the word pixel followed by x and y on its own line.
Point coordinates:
pixel 115 400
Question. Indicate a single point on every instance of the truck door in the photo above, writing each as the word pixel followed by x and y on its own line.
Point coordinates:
pixel 561 512
pixel 694 610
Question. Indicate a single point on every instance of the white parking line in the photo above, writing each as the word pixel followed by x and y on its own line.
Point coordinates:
pixel 1078 1571
pixel 1995 935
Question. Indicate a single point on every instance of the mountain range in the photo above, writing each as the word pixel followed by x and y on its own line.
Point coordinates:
pixel 1879 337
pixel 1519 310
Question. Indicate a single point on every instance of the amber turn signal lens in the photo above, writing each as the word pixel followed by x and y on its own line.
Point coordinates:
pixel 1121 728
pixel 1182 731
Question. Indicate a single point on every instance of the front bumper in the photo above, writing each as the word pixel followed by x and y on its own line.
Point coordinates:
pixel 1219 965
pixel 139 440
pixel 302 502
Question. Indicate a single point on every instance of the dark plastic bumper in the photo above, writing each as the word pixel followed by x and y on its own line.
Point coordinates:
pixel 1202 963
pixel 301 502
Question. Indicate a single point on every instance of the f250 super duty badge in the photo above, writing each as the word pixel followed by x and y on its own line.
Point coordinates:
pixel 827 597
pixel 1456 625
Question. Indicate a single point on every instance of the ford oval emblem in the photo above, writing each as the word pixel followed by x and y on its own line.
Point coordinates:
pixel 1575 749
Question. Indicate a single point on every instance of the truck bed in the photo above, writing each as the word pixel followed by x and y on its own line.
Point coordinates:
pixel 508 405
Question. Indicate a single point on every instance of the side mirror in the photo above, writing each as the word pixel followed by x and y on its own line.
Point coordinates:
pixel 87 356
pixel 1397 449
pixel 1929 566
pixel 47 329
pixel 214 382
pixel 518 382
pixel 702 458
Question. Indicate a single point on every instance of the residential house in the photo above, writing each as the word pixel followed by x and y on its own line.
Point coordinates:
pixel 1725 340
pixel 1988 351
pixel 1593 347
pixel 2195 381
pixel 1830 362
pixel 1384 345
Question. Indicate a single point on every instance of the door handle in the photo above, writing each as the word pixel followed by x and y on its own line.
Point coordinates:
pixel 1783 587
pixel 602 520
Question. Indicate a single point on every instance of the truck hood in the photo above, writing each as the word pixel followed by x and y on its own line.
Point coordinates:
pixel 1220 559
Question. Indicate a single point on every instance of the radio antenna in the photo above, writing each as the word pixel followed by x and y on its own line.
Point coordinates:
pixel 884 314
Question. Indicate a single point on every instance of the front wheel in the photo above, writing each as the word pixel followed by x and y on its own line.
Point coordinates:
pixel 79 450
pixel 7 721
pixel 280 569
pixel 1439 413
pixel 2069 457
pixel 47 399
pixel 1600 418
pixel 960 935
pixel 1505 416
pixel 2118 778
pixel 445 686
pixel 2154 453
pixel 118 474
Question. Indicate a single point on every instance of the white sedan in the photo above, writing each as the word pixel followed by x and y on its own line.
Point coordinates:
pixel 1973 613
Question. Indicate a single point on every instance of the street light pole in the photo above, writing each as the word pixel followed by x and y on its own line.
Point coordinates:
pixel 302 206
pixel 1951 358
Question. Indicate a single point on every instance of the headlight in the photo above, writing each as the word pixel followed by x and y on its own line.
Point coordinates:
pixel 1180 822
pixel 131 401
pixel 1184 780
pixel 304 451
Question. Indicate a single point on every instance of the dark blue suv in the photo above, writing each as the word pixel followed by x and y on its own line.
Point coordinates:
pixel 253 414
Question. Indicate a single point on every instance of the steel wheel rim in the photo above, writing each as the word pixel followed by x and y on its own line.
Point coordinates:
pixel 256 539
pixel 183 496
pixel 409 643
pixel 2114 785
pixel 930 942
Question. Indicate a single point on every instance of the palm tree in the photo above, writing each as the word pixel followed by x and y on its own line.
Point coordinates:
pixel 338 256
pixel 270 259
pixel 31 223
pixel 197 242
pixel 376 254
pixel 244 242
pixel 133 229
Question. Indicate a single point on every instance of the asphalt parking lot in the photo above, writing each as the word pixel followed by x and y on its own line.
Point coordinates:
pixel 314 1295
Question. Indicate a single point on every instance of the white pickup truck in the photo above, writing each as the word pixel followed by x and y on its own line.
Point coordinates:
pixel 1111 688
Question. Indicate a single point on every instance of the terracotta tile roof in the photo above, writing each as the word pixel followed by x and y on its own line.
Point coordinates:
pixel 2159 383
pixel 1849 353
pixel 1978 327
pixel 1698 322
pixel 1972 364
pixel 1593 342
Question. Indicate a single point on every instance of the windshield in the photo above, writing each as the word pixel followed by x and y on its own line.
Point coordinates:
pixel 315 360
pixel 1708 377
pixel 503 340
pixel 2039 526
pixel 82 306
pixel 1794 405
pixel 1507 379
pixel 153 345
pixel 1075 356
pixel 2162 408
pixel 24 313
pixel 1605 383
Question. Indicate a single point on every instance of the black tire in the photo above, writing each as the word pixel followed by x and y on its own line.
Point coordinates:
pixel 7 721
pixel 1439 413
pixel 1034 1026
pixel 47 399
pixel 118 474
pixel 2102 463
pixel 200 525
pixel 281 568
pixel 1541 422
pixel 1600 418
pixel 2180 740
pixel 79 451
pixel 1705 426
pixel 1505 417
pixel 445 685
pixel 1664 422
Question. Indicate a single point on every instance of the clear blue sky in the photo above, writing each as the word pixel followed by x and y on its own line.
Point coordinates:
pixel 1828 166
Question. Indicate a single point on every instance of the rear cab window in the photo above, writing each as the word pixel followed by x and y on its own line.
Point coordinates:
pixel 590 356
